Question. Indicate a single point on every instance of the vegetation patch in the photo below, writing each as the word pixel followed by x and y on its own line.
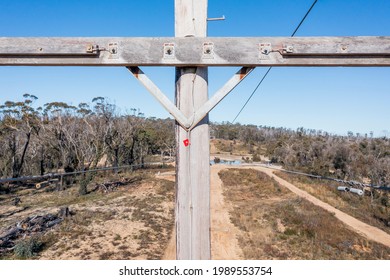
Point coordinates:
pixel 28 248
pixel 275 224
pixel 132 221
pixel 372 208
pixel 158 223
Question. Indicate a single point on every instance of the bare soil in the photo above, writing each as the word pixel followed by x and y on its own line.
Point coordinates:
pixel 363 229
pixel 133 222
pixel 225 235
pixel 137 221
pixel 224 243
pixel 275 223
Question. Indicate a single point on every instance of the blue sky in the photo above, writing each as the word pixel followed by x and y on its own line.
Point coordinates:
pixel 336 100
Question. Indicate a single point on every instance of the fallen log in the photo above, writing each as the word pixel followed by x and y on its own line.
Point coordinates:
pixel 42 184
pixel 113 185
pixel 53 223
pixel 10 233
pixel 26 227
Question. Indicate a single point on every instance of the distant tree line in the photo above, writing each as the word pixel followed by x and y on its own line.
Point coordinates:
pixel 351 157
pixel 59 136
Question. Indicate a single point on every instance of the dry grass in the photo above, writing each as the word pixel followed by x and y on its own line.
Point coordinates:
pixel 133 222
pixel 275 224
pixel 373 208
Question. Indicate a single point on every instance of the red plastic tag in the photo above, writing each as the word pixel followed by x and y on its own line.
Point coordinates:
pixel 186 142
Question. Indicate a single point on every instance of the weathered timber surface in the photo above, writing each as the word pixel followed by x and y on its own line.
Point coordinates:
pixel 196 51
pixel 26 227
pixel 192 159
pixel 157 93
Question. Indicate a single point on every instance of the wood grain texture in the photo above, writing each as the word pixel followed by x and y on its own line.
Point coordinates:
pixel 160 96
pixel 190 51
pixel 220 95
pixel 192 163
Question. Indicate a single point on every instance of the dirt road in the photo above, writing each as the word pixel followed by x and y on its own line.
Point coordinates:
pixel 363 229
pixel 224 243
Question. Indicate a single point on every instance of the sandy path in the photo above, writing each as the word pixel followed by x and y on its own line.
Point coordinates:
pixel 361 228
pixel 224 244
pixel 170 251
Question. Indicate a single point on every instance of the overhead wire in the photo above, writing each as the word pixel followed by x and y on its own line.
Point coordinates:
pixel 63 174
pixel 269 68
pixel 347 182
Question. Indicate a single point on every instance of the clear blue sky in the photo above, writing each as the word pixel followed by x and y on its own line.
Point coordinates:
pixel 332 99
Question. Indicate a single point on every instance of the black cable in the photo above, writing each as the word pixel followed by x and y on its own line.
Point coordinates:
pixel 54 175
pixel 254 91
pixel 269 69
pixel 308 12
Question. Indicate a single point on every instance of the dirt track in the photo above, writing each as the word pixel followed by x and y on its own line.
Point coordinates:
pixel 224 244
pixel 363 229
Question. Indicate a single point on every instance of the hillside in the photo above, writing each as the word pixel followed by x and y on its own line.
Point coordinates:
pixel 127 213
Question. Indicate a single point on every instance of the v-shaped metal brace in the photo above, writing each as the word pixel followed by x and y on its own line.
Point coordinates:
pixel 188 123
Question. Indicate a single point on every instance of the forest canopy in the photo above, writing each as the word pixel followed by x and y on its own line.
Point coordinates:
pixel 62 137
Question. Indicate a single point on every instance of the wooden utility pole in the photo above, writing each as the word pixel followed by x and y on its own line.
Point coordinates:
pixel 193 156
pixel 192 52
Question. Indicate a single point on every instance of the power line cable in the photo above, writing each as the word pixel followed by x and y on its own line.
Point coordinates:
pixel 350 183
pixel 56 175
pixel 303 19
pixel 63 174
pixel 254 91
pixel 269 69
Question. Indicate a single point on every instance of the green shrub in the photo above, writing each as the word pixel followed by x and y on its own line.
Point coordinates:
pixel 290 231
pixel 256 158
pixel 28 248
pixel 86 179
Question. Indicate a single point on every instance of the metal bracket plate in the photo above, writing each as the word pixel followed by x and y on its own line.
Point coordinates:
pixel 90 49
pixel 208 50
pixel 264 51
pixel 169 50
pixel 113 50
pixel 288 49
